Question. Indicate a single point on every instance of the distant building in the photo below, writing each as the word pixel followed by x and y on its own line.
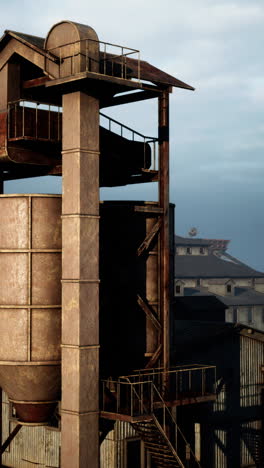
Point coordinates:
pixel 203 267
pixel 226 433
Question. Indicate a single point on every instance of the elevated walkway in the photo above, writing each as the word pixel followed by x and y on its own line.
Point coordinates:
pixel 145 399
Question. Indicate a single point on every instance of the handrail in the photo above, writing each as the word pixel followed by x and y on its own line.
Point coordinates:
pixel 88 60
pixel 161 370
pixel 17 125
pixel 149 138
pixel 167 412
pixel 166 409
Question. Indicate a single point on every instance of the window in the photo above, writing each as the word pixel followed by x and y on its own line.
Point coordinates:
pixel 229 288
pixel 178 289
pixel 202 251
pixel 189 251
pixel 198 282
pixel 235 315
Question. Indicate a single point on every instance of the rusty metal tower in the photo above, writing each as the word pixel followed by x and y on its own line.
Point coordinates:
pixel 51 94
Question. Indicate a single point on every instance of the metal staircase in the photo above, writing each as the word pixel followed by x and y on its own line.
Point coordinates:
pixel 163 447
pixel 145 398
pixel 157 443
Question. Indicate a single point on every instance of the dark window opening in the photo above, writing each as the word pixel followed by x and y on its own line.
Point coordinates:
pixel 133 448
pixel 202 251
pixel 178 289
pixel 229 288
pixel 189 250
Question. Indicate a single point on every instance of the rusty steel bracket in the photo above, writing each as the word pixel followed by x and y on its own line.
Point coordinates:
pixel 154 358
pixel 149 312
pixel 149 238
pixel 11 436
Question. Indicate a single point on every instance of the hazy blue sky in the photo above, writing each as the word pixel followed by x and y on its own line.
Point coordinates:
pixel 217 141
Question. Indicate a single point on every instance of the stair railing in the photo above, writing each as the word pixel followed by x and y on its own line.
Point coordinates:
pixel 134 136
pixel 169 421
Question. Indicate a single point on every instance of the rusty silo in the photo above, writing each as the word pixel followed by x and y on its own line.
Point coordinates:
pixel 30 303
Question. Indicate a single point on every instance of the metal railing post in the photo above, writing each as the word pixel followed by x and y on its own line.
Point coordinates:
pixel 132 401
pixel 23 119
pixel 36 121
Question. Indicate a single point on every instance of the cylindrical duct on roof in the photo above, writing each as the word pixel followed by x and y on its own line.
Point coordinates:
pixel 30 303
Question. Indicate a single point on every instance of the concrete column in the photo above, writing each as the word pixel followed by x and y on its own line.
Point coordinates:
pixel 80 283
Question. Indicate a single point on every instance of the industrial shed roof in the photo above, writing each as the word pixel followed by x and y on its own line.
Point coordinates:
pixel 211 266
pixel 242 296
pixel 197 331
pixel 147 71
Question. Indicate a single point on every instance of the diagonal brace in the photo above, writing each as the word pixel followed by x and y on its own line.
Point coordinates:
pixel 154 358
pixel 11 436
pixel 149 238
pixel 149 312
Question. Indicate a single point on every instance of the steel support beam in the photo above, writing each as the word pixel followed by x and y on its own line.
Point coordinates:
pixel 164 230
pixel 1 391
pixel 8 441
pixel 80 283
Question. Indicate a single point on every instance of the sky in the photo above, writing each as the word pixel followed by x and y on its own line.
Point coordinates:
pixel 217 141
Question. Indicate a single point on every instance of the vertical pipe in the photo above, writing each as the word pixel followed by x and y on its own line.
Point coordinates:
pixel 80 282
pixel 164 233
pixel 1 392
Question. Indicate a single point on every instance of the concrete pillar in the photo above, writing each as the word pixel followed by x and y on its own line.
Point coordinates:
pixel 80 283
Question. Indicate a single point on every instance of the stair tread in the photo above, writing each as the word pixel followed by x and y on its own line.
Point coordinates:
pixel 162 456
pixel 154 446
pixel 157 444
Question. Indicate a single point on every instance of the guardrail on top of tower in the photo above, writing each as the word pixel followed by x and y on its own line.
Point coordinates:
pixel 75 57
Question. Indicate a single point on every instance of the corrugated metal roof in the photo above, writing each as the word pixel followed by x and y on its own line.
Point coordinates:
pixel 147 71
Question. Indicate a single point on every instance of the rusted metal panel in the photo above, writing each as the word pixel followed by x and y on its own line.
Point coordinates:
pixel 30 261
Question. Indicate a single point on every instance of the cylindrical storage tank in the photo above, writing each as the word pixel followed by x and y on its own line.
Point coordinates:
pixel 128 338
pixel 30 303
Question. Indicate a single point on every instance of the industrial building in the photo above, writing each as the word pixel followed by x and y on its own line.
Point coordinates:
pixel 86 286
pixel 203 267
pixel 229 431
